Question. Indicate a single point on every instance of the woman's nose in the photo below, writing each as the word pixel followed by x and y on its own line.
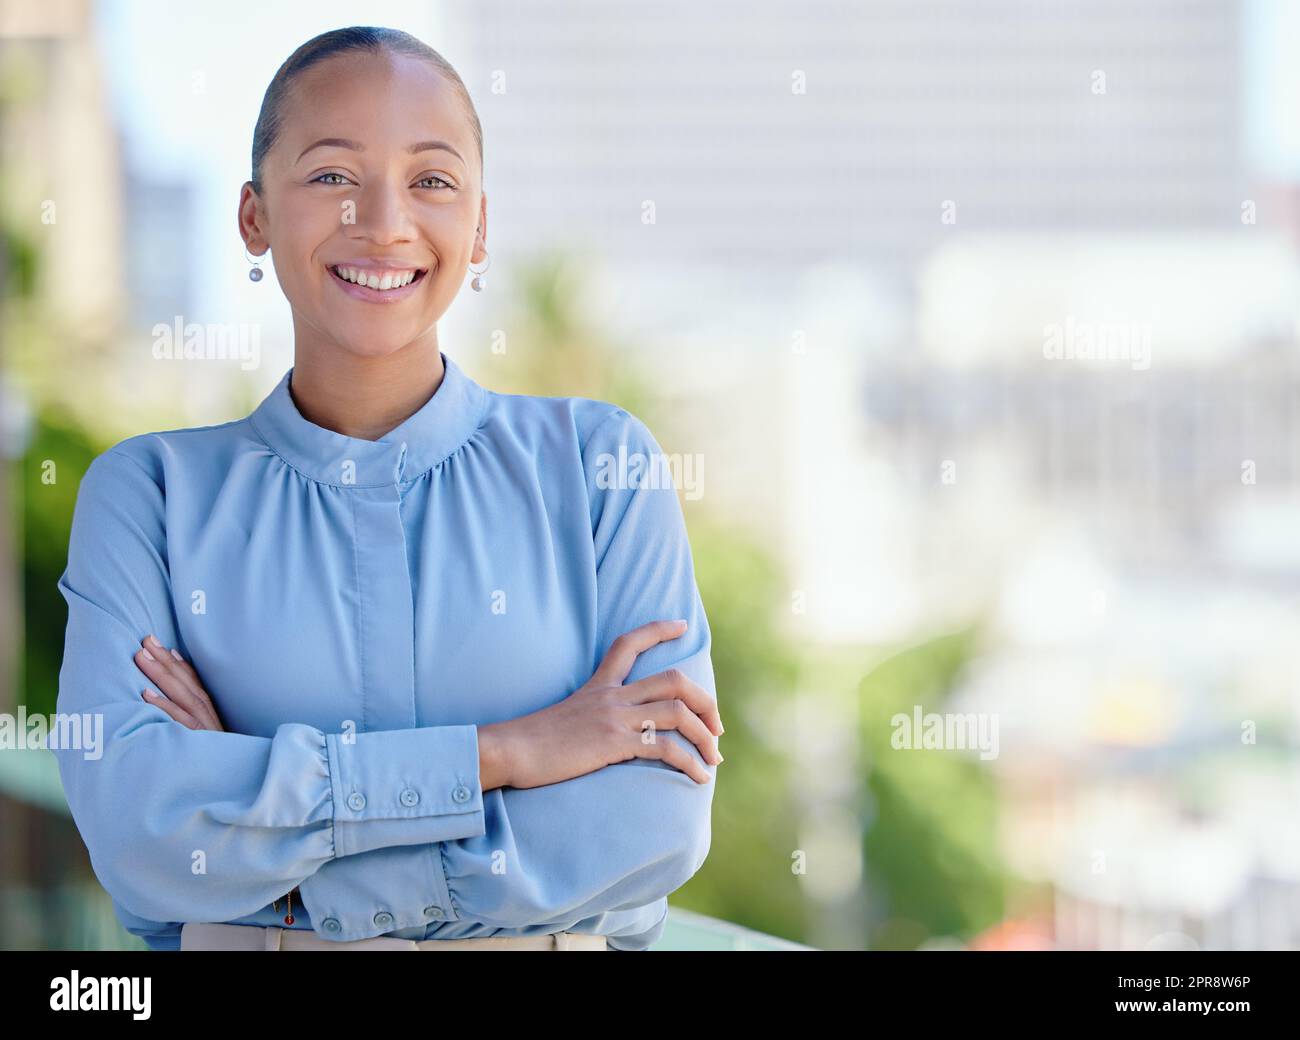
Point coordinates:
pixel 382 213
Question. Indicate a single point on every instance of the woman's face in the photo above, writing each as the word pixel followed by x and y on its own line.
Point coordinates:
pixel 346 197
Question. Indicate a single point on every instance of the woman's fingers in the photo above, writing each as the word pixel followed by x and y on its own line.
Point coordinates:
pixel 187 673
pixel 178 682
pixel 623 652
pixel 675 715
pixel 187 669
pixel 175 690
pixel 674 683
pixel 673 754
pixel 180 715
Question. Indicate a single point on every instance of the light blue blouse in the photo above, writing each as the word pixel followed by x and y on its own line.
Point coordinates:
pixel 355 609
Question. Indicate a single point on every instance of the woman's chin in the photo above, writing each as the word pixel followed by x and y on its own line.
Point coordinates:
pixel 372 342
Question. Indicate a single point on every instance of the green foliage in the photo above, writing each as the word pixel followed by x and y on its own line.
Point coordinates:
pixel 931 847
pixel 19 264
pixel 747 878
pixel 58 448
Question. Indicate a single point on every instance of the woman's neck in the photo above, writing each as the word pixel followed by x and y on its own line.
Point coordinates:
pixel 365 397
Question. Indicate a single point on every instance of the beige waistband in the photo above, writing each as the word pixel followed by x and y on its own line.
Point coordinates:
pixel 196 936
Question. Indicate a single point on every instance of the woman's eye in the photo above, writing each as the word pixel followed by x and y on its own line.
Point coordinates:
pixel 430 181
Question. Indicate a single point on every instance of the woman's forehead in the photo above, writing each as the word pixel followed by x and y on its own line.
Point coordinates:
pixel 341 97
pixel 375 67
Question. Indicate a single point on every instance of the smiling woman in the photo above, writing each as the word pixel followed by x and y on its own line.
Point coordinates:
pixel 346 176
pixel 413 663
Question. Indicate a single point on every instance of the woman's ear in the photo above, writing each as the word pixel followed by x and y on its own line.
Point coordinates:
pixel 479 252
pixel 251 216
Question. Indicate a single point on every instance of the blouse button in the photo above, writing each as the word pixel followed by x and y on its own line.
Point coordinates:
pixel 410 797
pixel 434 913
pixel 383 919
pixel 356 801
pixel 461 794
pixel 331 924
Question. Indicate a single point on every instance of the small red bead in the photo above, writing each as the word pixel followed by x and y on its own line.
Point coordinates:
pixel 289 919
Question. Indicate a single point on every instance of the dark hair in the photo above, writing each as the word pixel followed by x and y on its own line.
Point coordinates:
pixel 341 41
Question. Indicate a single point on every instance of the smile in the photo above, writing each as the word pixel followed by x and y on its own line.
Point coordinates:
pixel 377 285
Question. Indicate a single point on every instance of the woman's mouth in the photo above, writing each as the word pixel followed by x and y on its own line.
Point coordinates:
pixel 377 286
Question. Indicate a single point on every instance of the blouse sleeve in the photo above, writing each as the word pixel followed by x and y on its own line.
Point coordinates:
pixel 199 825
pixel 615 841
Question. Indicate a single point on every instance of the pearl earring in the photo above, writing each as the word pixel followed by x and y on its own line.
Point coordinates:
pixel 255 274
pixel 478 282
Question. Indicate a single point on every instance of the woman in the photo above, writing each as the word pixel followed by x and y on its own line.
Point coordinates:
pixel 414 670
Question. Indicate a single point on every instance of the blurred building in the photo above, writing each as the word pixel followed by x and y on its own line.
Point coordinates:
pixel 767 144
pixel 1134 875
pixel 162 225
pixel 64 191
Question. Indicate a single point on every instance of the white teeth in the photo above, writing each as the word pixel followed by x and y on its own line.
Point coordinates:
pixel 388 280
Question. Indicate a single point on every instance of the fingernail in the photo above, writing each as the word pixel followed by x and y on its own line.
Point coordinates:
pixel 176 655
pixel 146 694
pixel 154 641
pixel 148 656
pixel 680 621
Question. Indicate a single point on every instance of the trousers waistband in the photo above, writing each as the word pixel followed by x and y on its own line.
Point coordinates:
pixel 196 936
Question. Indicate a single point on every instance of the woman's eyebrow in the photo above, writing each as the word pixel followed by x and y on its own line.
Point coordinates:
pixel 426 146
pixel 357 146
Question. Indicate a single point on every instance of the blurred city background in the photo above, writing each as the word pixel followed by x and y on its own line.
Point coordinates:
pixel 981 316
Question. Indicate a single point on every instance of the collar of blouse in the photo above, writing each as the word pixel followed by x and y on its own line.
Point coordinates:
pixel 445 422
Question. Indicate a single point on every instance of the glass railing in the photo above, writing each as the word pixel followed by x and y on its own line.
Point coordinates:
pixel 687 930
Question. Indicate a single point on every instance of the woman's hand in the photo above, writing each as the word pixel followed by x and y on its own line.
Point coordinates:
pixel 184 697
pixel 606 722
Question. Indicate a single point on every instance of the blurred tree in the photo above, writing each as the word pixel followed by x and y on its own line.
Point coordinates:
pixel 19 265
pixel 64 451
pixel 747 877
pixel 931 847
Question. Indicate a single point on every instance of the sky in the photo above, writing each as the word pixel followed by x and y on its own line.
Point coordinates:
pixel 1271 38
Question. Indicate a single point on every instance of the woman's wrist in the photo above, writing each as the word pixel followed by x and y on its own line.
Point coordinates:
pixel 493 756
